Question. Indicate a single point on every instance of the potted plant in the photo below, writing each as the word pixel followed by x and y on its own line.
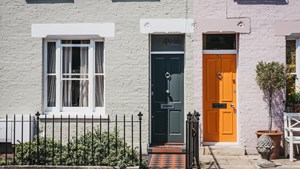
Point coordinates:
pixel 293 100
pixel 271 77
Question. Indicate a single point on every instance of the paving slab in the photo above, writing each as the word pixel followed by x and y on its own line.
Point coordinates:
pixel 244 162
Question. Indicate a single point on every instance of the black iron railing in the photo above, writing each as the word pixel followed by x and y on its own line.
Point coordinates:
pixel 192 140
pixel 48 140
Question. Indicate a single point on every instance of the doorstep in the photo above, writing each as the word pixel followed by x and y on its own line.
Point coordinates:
pixel 168 148
pixel 222 150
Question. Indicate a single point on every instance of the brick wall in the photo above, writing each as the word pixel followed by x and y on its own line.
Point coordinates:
pixel 127 54
pixel 262 44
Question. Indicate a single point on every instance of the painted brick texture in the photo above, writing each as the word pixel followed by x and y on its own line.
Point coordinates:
pixel 262 44
pixel 127 54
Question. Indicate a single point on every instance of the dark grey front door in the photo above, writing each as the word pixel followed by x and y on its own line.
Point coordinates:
pixel 167 98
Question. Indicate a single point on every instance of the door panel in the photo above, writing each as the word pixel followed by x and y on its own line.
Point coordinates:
pixel 159 69
pixel 219 98
pixel 212 85
pixel 175 82
pixel 160 127
pixel 167 90
pixel 174 128
pixel 213 118
pixel 227 121
pixel 226 82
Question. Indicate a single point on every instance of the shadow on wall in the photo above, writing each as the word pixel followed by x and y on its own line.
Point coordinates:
pixel 278 108
pixel 48 1
pixel 254 2
pixel 135 0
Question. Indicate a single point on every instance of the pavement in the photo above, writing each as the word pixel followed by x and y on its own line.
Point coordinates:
pixel 244 162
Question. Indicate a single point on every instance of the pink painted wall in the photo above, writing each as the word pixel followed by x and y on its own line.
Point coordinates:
pixel 260 44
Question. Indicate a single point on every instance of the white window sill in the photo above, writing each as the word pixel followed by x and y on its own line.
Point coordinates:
pixel 73 116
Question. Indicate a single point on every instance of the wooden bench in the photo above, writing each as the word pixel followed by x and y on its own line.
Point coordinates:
pixel 291 126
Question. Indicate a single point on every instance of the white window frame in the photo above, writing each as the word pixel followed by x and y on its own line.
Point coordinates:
pixel 59 109
pixel 297 83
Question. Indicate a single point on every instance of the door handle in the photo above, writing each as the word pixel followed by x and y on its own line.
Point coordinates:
pixel 232 105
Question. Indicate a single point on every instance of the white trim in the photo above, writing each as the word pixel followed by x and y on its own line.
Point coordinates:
pixel 237 57
pixel 174 25
pixel 226 25
pixel 219 51
pixel 75 45
pixel 220 143
pixel 150 90
pixel 167 52
pixel 297 64
pixel 73 115
pixel 58 72
pixel 45 75
pixel 91 70
pixel 71 29
pixel 59 109
pixel 75 78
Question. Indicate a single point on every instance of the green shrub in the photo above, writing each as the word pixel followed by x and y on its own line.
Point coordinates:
pixel 100 154
pixel 83 151
pixel 30 155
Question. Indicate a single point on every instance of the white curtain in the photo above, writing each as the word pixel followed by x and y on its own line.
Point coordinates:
pixel 51 79
pixel 83 93
pixel 67 84
pixel 99 79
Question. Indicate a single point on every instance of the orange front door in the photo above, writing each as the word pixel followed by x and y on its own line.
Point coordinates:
pixel 219 97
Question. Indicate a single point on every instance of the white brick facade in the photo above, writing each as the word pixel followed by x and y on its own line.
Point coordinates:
pixel 127 53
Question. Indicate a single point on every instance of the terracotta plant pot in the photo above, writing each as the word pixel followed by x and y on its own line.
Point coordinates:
pixel 276 139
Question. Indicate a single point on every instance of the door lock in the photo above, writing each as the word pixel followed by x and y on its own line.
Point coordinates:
pixel 219 76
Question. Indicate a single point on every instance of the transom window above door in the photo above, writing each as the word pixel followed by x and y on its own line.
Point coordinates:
pixel 219 41
pixel 74 78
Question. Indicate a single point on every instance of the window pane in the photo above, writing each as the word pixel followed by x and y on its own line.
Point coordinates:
pixel 75 41
pixel 51 51
pixel 75 93
pixel 99 58
pixel 291 56
pixel 167 43
pixel 219 41
pixel 75 60
pixel 51 91
pixel 81 76
pixel 99 91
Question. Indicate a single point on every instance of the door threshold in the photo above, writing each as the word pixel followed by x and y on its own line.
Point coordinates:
pixel 167 148
pixel 166 144
pixel 220 144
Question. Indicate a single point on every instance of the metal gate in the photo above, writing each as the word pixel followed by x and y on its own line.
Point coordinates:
pixel 192 140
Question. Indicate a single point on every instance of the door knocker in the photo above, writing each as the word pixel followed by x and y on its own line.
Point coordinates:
pixel 167 75
pixel 219 75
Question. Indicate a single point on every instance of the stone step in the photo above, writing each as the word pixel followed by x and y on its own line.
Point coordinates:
pixel 226 150
pixel 166 149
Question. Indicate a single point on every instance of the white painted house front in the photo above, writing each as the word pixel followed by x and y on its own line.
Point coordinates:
pixel 119 57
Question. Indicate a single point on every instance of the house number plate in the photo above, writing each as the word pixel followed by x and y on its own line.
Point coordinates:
pixel 219 105
pixel 167 106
